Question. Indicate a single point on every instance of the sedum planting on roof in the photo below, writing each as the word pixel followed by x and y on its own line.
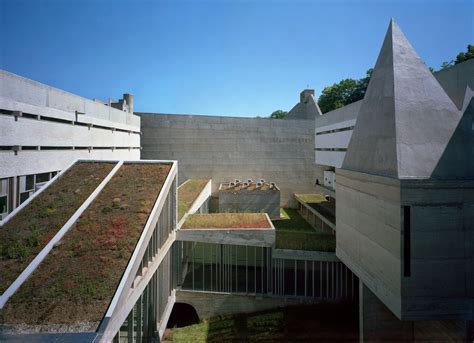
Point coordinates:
pixel 228 221
pixel 188 193
pixel 27 232
pixel 77 280
pixel 295 233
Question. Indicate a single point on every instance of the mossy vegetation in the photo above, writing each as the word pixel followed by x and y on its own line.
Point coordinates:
pixel 23 237
pixel 77 280
pixel 311 198
pixel 305 323
pixel 187 194
pixel 295 233
pixel 227 221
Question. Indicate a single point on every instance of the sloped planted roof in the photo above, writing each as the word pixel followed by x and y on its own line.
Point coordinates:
pixel 406 119
pixel 78 278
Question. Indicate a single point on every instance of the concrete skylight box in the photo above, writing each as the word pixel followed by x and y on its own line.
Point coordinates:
pixel 250 196
pixel 255 229
pixel 92 267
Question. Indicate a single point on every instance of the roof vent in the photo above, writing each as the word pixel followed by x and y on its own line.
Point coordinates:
pixel 262 180
pixel 249 181
pixel 259 184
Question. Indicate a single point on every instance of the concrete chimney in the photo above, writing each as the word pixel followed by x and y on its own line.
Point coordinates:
pixel 129 99
pixel 304 95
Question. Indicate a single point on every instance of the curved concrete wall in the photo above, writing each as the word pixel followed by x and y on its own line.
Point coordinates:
pixel 227 148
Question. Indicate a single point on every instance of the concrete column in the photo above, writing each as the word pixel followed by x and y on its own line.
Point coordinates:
pixel 377 323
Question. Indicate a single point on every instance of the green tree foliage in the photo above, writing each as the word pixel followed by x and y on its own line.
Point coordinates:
pixel 343 93
pixel 278 114
pixel 464 56
pixel 461 57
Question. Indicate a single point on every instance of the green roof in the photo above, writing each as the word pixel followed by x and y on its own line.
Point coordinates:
pixel 187 194
pixel 28 232
pixel 227 221
pixel 77 280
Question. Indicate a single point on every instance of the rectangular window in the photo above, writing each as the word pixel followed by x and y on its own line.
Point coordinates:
pixel 3 204
pixel 406 240
pixel 42 177
pixel 24 196
pixel 30 182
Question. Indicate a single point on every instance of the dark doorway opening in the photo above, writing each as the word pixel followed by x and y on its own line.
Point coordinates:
pixel 182 315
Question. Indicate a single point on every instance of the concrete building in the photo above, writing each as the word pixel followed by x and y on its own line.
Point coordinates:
pixel 227 148
pixel 250 196
pixel 404 195
pixel 44 130
pixel 399 163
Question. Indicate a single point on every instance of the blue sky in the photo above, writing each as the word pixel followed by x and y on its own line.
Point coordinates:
pixel 243 58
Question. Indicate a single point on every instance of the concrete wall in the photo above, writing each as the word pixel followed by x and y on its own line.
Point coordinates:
pixel 27 91
pixel 441 284
pixel 368 238
pixel 226 148
pixel 371 242
pixel 208 305
pixel 378 324
pixel 455 79
pixel 253 201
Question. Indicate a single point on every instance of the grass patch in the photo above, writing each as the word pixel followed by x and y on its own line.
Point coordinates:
pixel 27 233
pixel 295 233
pixel 297 240
pixel 227 221
pixel 305 323
pixel 291 220
pixel 311 198
pixel 187 194
pixel 76 281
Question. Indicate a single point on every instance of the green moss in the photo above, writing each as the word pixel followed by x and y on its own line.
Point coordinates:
pixel 226 220
pixel 187 194
pixel 295 233
pixel 311 198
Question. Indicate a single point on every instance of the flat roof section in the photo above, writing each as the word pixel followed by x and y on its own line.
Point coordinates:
pixel 77 280
pixel 188 193
pixel 227 221
pixel 320 204
pixel 28 231
pixel 295 233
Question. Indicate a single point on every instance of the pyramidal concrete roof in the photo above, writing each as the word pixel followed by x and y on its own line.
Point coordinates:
pixel 307 109
pixel 406 119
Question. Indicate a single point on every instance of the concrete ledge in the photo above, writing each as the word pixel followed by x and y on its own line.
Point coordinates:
pixel 305 255
pixel 250 237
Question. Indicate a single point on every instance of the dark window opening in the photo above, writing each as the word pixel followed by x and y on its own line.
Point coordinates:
pixel 406 241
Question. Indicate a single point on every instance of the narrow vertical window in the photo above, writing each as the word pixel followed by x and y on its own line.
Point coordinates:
pixel 407 241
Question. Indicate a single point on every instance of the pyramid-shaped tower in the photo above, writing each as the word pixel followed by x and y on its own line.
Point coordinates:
pixel 406 119
pixel 405 199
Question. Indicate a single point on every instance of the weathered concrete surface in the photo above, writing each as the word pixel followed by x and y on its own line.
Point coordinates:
pixel 253 201
pixel 378 324
pixel 208 304
pixel 406 119
pixel 307 108
pixel 370 241
pixel 455 79
pixel 225 148
pixel 27 91
pixel 248 237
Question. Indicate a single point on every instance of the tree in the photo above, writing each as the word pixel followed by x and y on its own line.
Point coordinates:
pixel 343 93
pixel 464 56
pixel 278 114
